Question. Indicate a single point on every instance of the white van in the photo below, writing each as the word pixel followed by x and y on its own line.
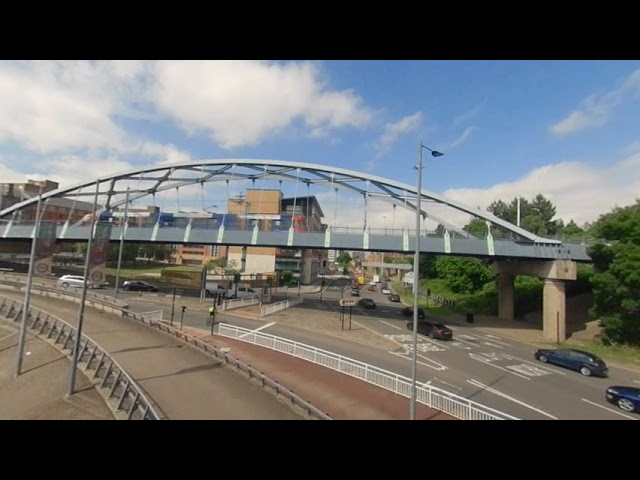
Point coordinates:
pixel 244 291
pixel 212 289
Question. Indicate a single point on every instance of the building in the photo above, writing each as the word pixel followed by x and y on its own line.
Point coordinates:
pixel 268 210
pixel 55 209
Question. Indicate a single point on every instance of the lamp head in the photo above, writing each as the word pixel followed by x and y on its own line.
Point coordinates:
pixel 435 153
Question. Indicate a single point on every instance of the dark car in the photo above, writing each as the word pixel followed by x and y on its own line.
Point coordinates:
pixel 137 285
pixel 627 398
pixel 367 303
pixel 585 363
pixel 432 329
pixel 408 312
pixel 355 292
pixel 394 297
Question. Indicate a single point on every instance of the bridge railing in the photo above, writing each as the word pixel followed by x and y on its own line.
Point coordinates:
pixel 433 397
pixel 279 306
pixel 113 382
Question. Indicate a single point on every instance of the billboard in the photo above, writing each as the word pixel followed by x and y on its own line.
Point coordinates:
pixel 44 248
pixel 98 253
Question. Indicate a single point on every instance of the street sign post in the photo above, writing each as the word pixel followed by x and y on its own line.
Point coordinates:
pixel 347 302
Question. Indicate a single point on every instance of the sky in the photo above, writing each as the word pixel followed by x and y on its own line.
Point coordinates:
pixel 566 129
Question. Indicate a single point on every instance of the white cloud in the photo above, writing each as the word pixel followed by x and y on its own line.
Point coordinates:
pixel 393 130
pixel 596 110
pixel 464 136
pixel 238 103
pixel 467 116
pixel 579 191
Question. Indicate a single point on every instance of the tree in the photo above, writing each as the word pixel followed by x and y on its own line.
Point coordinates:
pixel 428 266
pixel 476 227
pixel 536 215
pixel 129 252
pixel 463 275
pixel 217 264
pixel 231 268
pixel 344 260
pixel 572 229
pixel 616 278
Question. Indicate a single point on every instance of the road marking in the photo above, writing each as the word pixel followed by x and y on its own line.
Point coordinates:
pixel 637 381
pixel 492 344
pixel 387 323
pixel 425 339
pixel 495 339
pixel 7 336
pixel 257 329
pixel 514 400
pixel 445 383
pixel 608 409
pixel 538 365
pixel 440 367
pixel 478 358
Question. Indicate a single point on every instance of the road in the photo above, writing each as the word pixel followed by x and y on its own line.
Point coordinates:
pixel 495 371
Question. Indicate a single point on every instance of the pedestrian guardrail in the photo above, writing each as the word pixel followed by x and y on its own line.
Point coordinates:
pixel 433 397
pixel 279 306
pixel 240 302
pixel 122 393
pixel 252 373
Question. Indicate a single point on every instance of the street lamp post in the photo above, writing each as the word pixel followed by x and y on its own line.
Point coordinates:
pixel 416 277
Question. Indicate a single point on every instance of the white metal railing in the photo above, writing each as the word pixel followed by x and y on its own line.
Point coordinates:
pixel 433 397
pixel 279 306
pixel 240 302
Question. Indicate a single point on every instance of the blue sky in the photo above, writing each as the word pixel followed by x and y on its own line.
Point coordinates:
pixel 567 129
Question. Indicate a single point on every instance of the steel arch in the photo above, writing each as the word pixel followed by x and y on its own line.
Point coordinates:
pixel 218 170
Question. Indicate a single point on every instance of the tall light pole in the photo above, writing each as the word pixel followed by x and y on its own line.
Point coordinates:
pixel 416 278
pixel 125 221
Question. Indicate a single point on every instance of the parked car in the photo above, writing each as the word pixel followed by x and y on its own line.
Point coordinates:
pixel 137 285
pixel 408 312
pixel 585 363
pixel 626 398
pixel 367 303
pixel 355 292
pixel 385 291
pixel 432 329
pixel 371 288
pixel 394 298
pixel 76 281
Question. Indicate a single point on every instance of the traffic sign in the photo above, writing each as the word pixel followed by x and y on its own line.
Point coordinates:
pixel 348 302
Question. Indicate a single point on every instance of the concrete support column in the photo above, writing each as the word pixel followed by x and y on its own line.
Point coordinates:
pixel 506 296
pixel 554 320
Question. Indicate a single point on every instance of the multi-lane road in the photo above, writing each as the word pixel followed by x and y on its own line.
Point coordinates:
pixel 498 372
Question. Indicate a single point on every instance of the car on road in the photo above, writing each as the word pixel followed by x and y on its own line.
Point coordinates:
pixel 366 303
pixel 584 362
pixel 408 312
pixel 355 292
pixel 138 286
pixel 626 398
pixel 76 281
pixel 394 297
pixel 432 329
pixel 385 291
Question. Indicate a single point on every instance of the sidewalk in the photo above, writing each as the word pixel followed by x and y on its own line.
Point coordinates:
pixel 40 392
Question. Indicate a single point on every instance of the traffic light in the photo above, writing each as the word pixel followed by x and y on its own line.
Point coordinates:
pixel 265 289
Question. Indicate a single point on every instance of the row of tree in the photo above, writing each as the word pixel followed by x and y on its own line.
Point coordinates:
pixel 613 277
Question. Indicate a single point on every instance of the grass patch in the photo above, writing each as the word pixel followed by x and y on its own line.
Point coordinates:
pixel 623 354
pixel 132 271
pixel 406 297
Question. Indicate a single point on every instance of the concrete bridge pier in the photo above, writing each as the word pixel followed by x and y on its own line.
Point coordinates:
pixel 554 273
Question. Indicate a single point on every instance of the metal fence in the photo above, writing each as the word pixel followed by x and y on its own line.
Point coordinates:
pixel 433 397
pixel 279 306
pixel 112 380
pixel 240 302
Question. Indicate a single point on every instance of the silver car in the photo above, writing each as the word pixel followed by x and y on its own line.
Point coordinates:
pixel 76 281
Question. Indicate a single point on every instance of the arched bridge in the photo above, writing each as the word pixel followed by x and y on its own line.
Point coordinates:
pixel 116 194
